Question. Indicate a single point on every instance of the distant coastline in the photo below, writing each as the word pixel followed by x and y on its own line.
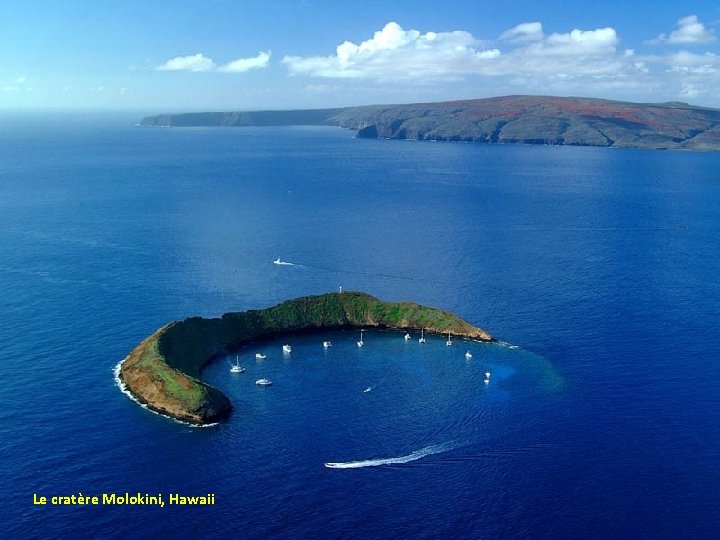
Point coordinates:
pixel 503 120
pixel 163 372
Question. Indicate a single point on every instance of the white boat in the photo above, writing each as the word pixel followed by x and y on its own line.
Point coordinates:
pixel 278 261
pixel 287 349
pixel 259 356
pixel 361 342
pixel 422 336
pixel 367 389
pixel 487 377
pixel 468 355
pixel 237 368
pixel 263 382
pixel 407 336
pixel 327 344
pixel 449 341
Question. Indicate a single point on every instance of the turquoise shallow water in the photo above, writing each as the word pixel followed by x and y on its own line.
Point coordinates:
pixel 600 265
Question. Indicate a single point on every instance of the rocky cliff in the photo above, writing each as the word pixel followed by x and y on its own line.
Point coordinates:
pixel 542 120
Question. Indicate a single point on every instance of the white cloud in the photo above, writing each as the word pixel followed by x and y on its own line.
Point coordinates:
pixel 689 30
pixel 577 43
pixel 532 31
pixel 688 91
pixel 242 65
pixel 191 62
pixel 201 63
pixel 395 53
pixel 687 62
pixel 322 88
pixel 523 60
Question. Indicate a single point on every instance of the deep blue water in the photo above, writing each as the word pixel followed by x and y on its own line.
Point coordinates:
pixel 601 265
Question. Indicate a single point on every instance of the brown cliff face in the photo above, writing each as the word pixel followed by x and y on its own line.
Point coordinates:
pixel 163 371
pixel 542 120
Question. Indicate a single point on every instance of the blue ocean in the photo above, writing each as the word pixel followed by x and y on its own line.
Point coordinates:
pixel 596 269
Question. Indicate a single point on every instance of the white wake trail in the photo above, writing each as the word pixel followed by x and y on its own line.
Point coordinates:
pixel 418 454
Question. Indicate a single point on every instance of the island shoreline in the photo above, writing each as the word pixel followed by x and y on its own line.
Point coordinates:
pixel 163 372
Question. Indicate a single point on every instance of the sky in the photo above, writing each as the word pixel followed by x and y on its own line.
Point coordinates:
pixel 185 55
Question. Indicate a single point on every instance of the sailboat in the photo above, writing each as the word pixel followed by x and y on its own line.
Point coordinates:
pixel 361 342
pixel 422 336
pixel 407 336
pixel 237 368
pixel 449 341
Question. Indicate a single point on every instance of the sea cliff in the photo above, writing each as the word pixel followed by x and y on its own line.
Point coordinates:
pixel 163 371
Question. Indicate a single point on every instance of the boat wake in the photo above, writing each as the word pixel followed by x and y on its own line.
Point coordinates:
pixel 418 454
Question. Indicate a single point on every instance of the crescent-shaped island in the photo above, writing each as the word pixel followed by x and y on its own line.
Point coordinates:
pixel 163 371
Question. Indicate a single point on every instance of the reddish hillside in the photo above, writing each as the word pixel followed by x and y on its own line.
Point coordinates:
pixel 542 120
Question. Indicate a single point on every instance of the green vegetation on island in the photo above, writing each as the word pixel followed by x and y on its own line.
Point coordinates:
pixel 163 371
pixel 505 120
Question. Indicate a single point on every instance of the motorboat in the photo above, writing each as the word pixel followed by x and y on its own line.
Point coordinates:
pixel 468 355
pixel 277 261
pixel 487 377
pixel 327 344
pixel 263 382
pixel 407 336
pixel 287 349
pixel 259 356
